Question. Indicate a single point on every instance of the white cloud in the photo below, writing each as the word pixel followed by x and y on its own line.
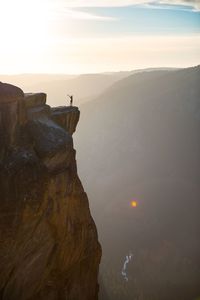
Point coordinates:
pixel 71 9
pixel 75 14
pixel 117 3
pixel 191 3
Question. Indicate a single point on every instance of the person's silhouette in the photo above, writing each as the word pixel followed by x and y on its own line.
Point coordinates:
pixel 71 99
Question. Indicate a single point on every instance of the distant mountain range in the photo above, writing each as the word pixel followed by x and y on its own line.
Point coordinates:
pixel 84 87
pixel 145 119
pixel 139 140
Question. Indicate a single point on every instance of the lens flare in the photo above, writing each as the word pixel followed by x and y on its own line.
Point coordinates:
pixel 134 203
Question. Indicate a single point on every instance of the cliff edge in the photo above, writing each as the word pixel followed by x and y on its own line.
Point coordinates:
pixel 48 240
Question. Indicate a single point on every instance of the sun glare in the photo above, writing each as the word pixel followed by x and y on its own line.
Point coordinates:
pixel 48 36
pixel 24 28
pixel 134 203
pixel 23 18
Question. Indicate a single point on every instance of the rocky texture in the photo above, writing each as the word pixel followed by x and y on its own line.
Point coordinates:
pixel 48 240
pixel 66 117
pixel 10 97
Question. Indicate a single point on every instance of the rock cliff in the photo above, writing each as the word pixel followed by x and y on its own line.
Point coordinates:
pixel 49 248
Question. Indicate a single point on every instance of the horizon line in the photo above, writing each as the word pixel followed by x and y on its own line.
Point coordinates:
pixel 96 73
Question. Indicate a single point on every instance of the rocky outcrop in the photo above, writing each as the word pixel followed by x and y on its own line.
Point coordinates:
pixel 48 240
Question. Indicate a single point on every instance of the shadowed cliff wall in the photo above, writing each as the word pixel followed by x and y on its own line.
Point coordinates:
pixel 48 240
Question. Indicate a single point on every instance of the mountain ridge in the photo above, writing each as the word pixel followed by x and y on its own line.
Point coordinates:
pixel 146 148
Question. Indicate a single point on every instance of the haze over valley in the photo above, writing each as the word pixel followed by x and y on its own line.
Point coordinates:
pixel 102 124
pixel 140 141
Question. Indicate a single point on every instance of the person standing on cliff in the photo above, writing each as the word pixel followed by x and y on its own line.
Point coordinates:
pixel 71 99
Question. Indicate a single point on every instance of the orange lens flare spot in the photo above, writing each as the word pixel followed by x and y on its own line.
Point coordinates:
pixel 134 204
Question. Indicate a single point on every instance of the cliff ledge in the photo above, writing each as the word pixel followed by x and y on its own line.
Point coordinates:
pixel 48 240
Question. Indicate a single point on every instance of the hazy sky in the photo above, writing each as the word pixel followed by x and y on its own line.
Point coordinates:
pixel 80 36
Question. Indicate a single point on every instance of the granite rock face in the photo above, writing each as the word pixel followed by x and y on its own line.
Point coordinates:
pixel 49 247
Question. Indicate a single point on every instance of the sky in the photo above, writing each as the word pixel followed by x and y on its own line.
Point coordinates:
pixel 91 36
